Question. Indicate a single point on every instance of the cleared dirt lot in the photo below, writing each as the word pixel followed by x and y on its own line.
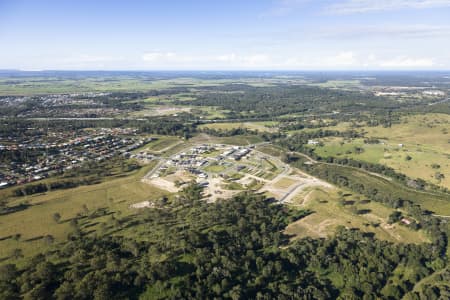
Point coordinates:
pixel 290 183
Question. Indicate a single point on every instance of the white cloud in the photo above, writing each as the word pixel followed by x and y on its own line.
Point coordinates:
pixel 362 6
pixel 257 59
pixel 88 58
pixel 354 61
pixel 407 62
pixel 159 56
pixel 95 58
pixel 370 61
pixel 227 57
pixel 347 59
pixel 247 60
pixel 229 60
pixel 342 59
pixel 76 62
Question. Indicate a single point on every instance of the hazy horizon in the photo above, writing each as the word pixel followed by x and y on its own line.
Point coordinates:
pixel 299 71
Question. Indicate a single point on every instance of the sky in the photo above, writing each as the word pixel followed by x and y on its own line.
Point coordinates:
pixel 225 35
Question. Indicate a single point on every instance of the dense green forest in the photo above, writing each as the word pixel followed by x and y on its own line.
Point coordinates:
pixel 245 101
pixel 188 249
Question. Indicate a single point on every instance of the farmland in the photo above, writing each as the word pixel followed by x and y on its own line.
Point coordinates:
pixel 260 126
pixel 417 147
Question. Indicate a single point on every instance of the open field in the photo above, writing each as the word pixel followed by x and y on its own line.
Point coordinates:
pixel 339 84
pixel 161 143
pixel 159 110
pixel 209 112
pixel 418 147
pixel 215 168
pixel 341 126
pixel 260 126
pixel 284 183
pixel 271 150
pixel 331 210
pixel 36 221
pixel 239 140
pixel 338 147
pixel 428 130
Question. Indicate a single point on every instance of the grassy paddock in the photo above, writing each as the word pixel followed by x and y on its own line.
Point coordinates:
pixel 37 220
pixel 417 147
pixel 260 126
pixel 425 139
pixel 161 143
pixel 239 140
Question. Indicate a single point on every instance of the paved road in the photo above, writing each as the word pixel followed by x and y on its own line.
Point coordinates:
pixel 441 216
pixel 162 160
pixel 291 191
pixel 153 171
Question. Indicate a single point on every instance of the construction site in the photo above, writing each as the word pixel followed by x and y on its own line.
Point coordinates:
pixel 225 170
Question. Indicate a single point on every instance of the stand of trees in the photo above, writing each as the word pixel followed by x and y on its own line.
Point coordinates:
pixel 189 249
pixel 266 136
pixel 244 101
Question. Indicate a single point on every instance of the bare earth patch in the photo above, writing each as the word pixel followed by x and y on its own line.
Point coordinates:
pixel 162 184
